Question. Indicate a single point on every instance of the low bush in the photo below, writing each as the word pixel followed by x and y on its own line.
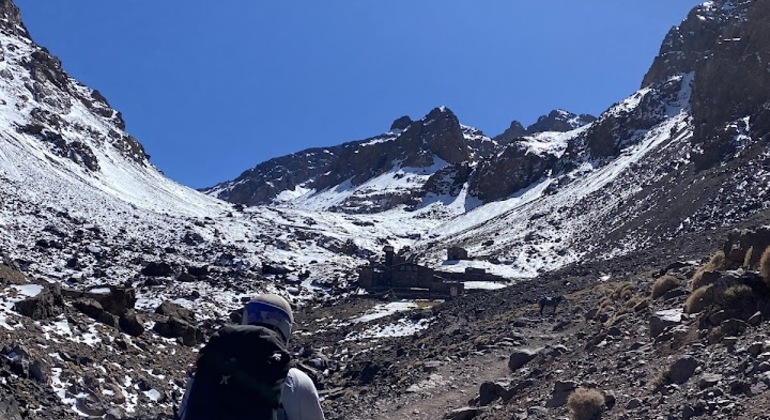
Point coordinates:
pixel 664 284
pixel 662 379
pixel 586 404
pixel 764 265
pixel 699 300
pixel 717 262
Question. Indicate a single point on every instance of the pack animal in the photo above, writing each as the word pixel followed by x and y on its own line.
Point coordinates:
pixel 552 301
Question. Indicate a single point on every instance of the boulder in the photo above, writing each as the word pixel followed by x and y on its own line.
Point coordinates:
pixel 521 357
pixel 90 405
pixel 174 327
pixel 464 413
pixel 662 320
pixel 491 391
pixel 49 303
pixel 733 327
pixel 130 324
pixel 560 393
pixel 117 300
pixel 176 310
pixel 157 269
pixel 682 369
pixel 708 380
pixel 199 272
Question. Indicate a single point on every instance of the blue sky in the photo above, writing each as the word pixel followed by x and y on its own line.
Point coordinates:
pixel 213 88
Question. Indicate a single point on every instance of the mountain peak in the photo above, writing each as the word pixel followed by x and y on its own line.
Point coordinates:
pixel 11 18
pixel 441 112
pixel 559 120
pixel 401 123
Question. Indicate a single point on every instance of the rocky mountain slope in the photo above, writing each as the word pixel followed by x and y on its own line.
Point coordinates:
pixel 106 259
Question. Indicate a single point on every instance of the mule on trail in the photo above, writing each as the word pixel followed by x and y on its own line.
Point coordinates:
pixel 553 301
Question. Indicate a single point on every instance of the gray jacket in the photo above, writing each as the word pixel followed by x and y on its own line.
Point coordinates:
pixel 299 398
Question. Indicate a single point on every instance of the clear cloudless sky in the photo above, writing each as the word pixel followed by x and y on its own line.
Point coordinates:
pixel 212 88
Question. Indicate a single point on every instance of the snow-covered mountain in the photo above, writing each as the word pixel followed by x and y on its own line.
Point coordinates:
pixel 82 206
pixel 532 199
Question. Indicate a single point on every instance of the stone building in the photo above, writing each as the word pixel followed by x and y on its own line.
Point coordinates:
pixel 406 278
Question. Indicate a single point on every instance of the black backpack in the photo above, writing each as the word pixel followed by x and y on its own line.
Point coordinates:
pixel 240 375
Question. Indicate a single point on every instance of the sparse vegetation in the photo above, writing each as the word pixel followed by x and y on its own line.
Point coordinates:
pixel 717 262
pixel 764 265
pixel 662 379
pixel 747 258
pixel 586 404
pixel 663 285
pixel 699 300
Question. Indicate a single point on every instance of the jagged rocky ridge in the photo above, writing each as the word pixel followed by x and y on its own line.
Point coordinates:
pixel 443 152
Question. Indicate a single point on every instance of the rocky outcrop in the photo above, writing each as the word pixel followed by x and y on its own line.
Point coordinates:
pixel 559 120
pixel 514 131
pixel 732 82
pixel 47 304
pixel 401 123
pixel 410 144
pixel 512 170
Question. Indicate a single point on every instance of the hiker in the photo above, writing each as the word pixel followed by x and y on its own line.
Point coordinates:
pixel 244 372
pixel 549 301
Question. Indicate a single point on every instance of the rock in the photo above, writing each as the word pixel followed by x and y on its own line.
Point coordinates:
pixel 521 357
pixel 755 319
pixel 755 349
pixel 89 307
pixel 661 320
pixel 130 324
pixel 9 408
pixel 491 391
pixel 633 404
pixel 199 272
pixel 117 300
pixel 465 413
pixel 682 369
pixel 174 327
pixel 186 278
pixel 172 309
pixel 560 393
pixel 763 367
pixel 90 405
pixel 192 238
pixel 278 270
pixel 157 269
pixel 707 380
pixel 733 327
pixel 49 303
pixel 718 317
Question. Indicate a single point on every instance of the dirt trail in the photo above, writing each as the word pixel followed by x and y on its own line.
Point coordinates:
pixel 454 383
pixel 451 385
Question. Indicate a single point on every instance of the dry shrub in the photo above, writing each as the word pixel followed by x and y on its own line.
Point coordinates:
pixel 747 257
pixel 663 285
pixel 717 262
pixel 699 300
pixel 764 265
pixel 624 291
pixel 634 301
pixel 585 404
pixel 662 379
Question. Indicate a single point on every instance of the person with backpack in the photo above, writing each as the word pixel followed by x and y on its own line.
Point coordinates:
pixel 244 371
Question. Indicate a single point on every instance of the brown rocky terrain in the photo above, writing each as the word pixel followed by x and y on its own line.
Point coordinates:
pixel 493 356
